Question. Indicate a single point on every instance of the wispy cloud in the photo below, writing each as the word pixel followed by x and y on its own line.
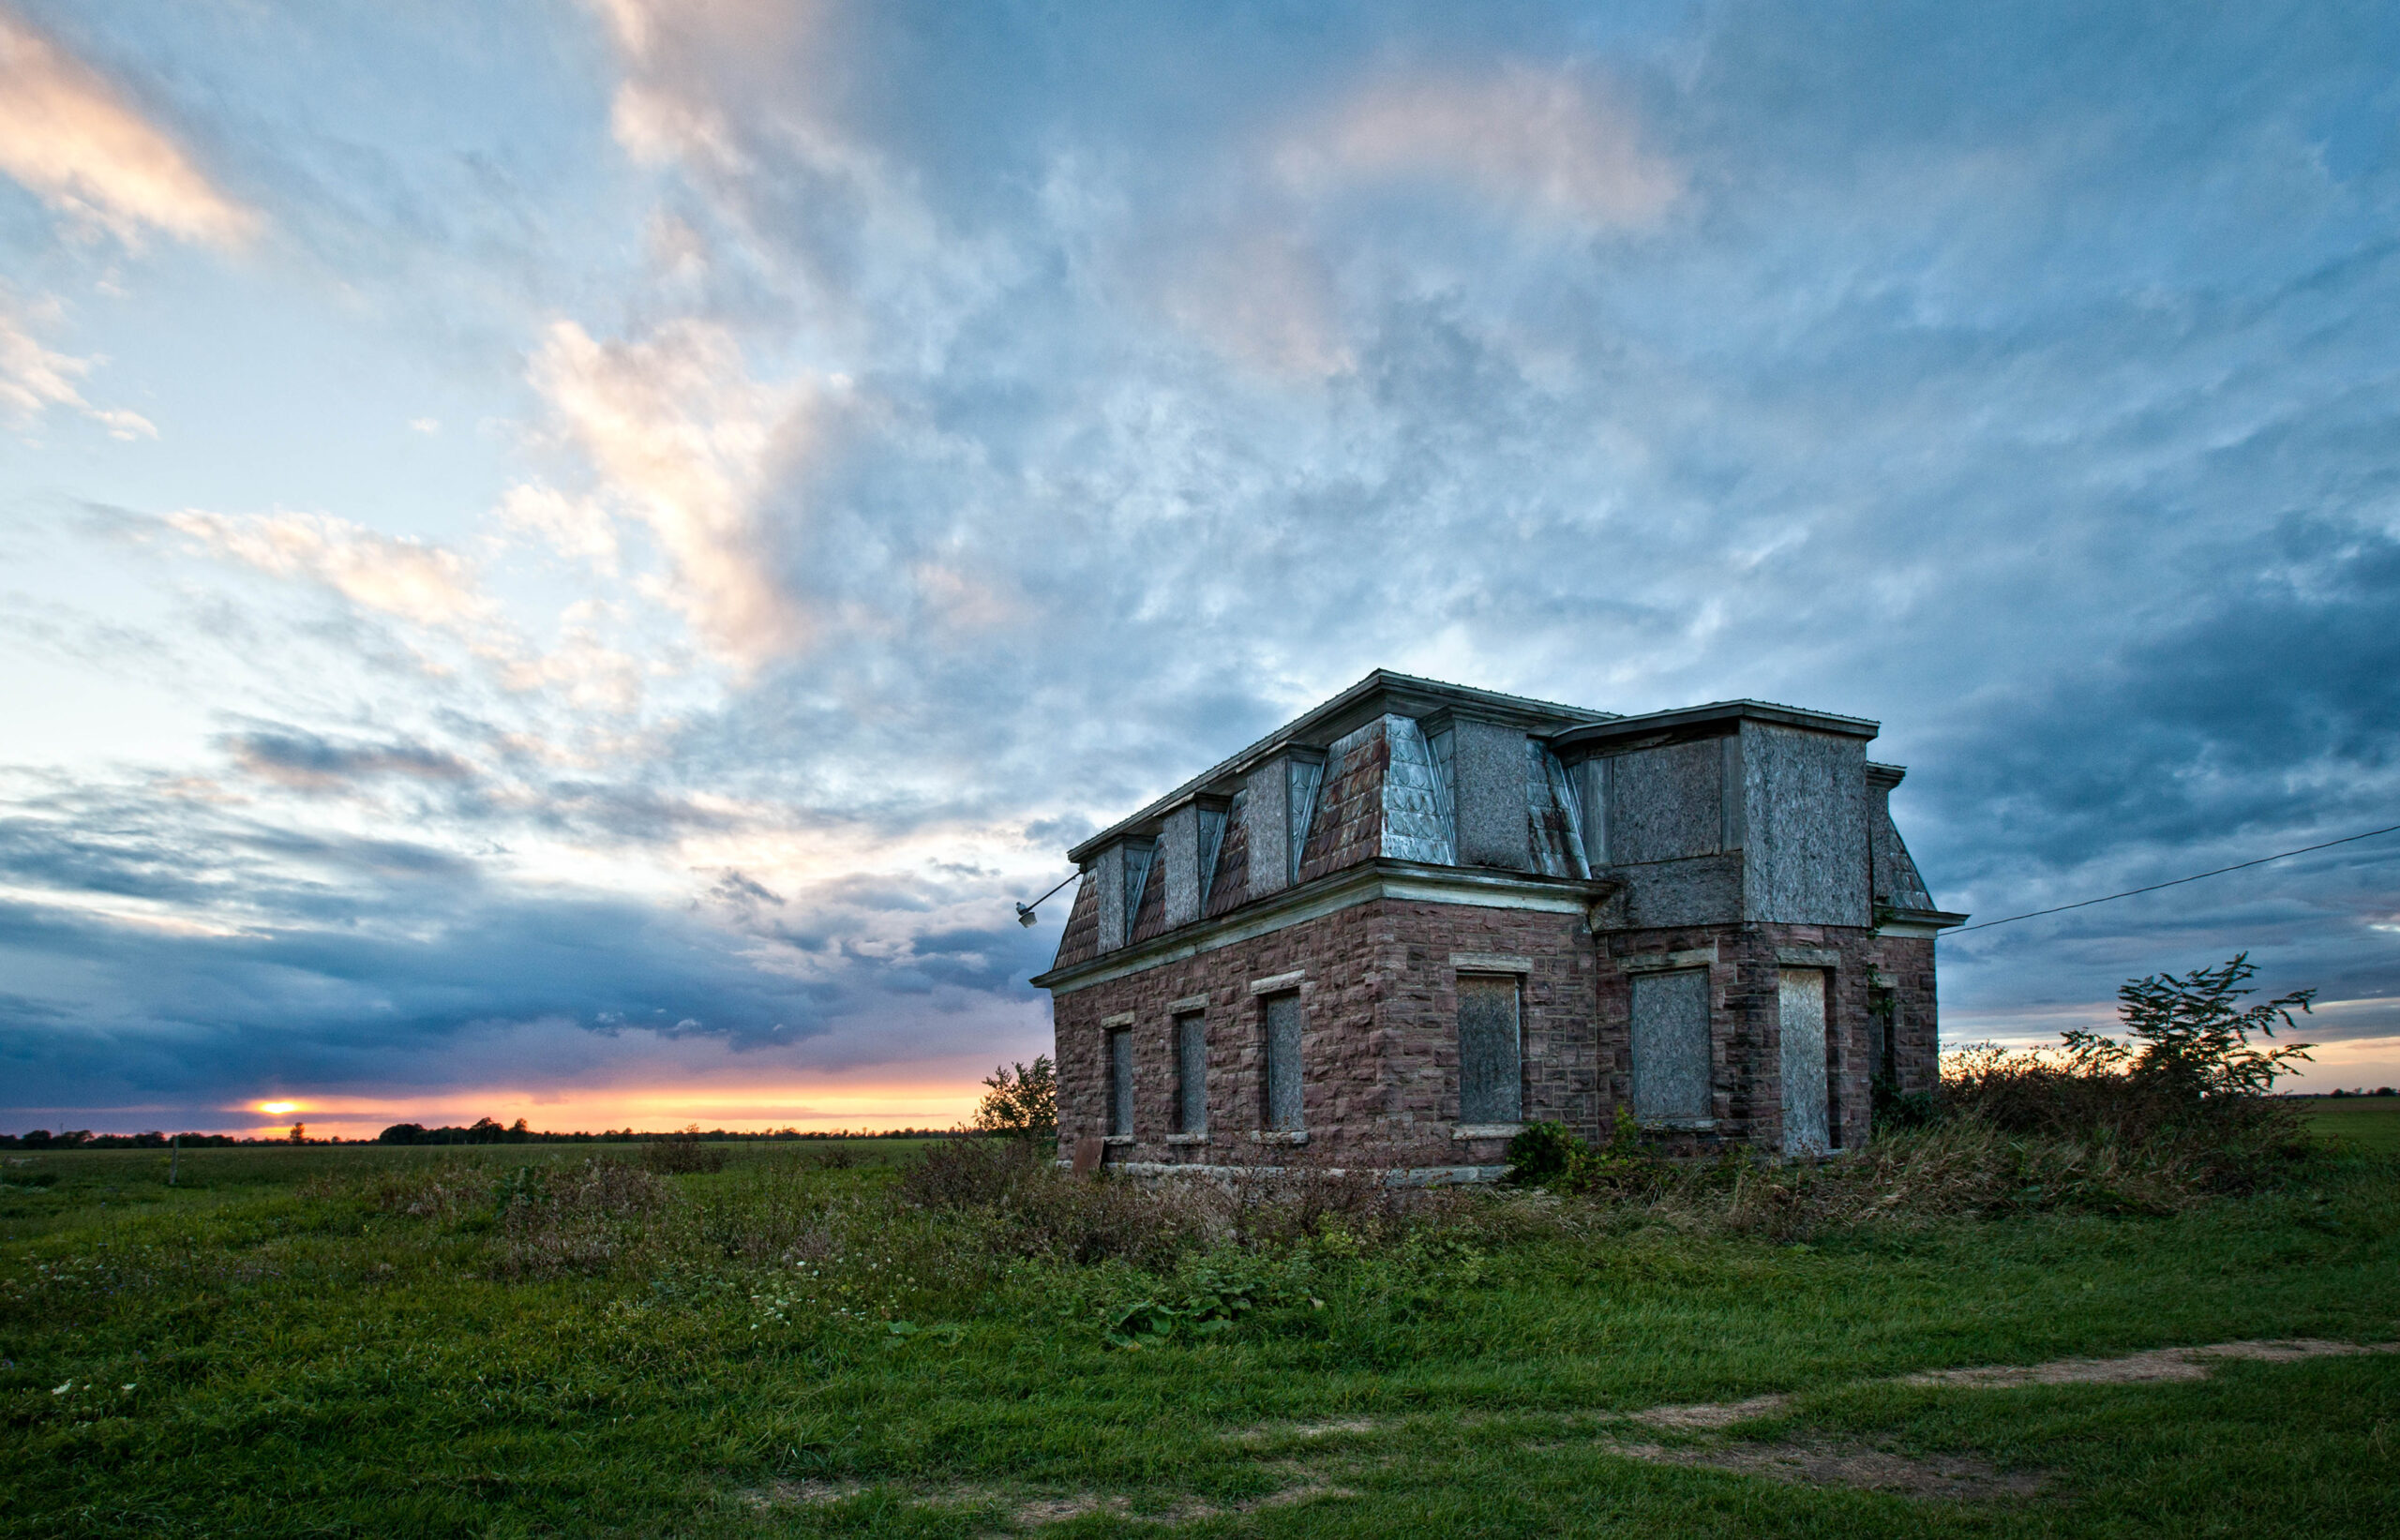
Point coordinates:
pixel 1544 141
pixel 687 442
pixel 78 142
pixel 396 575
pixel 32 379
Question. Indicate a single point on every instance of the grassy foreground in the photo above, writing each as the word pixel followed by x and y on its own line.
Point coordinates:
pixel 507 1341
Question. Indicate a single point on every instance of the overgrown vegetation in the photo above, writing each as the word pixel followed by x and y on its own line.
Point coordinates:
pixel 2176 1110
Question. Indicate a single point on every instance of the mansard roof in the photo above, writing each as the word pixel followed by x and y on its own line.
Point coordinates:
pixel 1379 693
pixel 1382 692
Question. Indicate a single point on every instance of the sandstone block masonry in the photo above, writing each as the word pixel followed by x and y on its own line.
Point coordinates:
pixel 1421 916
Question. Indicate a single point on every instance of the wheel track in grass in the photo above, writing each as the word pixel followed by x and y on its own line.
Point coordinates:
pixel 1804 1459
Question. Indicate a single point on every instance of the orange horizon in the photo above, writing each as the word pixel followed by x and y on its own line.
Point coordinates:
pixel 814 1108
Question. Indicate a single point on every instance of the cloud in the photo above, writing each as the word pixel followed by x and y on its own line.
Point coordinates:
pixel 395 575
pixel 684 442
pixel 1264 297
pixel 32 379
pixel 308 761
pixel 75 142
pixel 1544 142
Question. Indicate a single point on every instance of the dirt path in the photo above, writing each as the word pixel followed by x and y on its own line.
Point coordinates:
pixel 1815 1461
pixel 2157 1366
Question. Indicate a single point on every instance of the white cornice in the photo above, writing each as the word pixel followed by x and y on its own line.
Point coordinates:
pixel 1381 878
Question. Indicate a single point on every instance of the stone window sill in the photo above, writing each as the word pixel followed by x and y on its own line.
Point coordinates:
pixel 1278 1136
pixel 1187 1138
pixel 1486 1130
pixel 1116 1138
pixel 1679 1125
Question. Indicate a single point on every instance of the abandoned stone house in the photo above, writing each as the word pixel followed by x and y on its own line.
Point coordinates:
pixel 1421 916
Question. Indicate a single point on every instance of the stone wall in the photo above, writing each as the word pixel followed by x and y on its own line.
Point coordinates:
pixel 1745 964
pixel 1378 986
pixel 1906 966
pixel 1378 989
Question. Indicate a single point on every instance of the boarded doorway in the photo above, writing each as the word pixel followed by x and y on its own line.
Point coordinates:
pixel 1801 999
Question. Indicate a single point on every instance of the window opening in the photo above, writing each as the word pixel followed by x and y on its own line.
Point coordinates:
pixel 1491 1051
pixel 1191 1073
pixel 1671 1060
pixel 1120 1082
pixel 1284 1063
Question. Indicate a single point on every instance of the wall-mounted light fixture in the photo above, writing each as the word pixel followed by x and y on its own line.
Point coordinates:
pixel 1025 915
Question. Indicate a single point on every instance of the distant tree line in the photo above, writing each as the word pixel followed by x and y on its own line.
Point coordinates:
pixel 484 1130
pixel 85 1139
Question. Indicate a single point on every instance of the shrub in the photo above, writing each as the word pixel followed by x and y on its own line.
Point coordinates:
pixel 834 1155
pixel 1024 1205
pixel 681 1153
pixel 1541 1154
pixel 577 1218
pixel 959 1174
pixel 443 1190
pixel 1550 1156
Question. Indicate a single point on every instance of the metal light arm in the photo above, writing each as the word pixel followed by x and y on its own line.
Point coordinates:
pixel 1025 915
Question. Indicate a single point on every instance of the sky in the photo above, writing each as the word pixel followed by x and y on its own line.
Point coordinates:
pixel 570 560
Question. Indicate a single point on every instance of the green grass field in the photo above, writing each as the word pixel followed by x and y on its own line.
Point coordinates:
pixel 279 1346
pixel 2370 1123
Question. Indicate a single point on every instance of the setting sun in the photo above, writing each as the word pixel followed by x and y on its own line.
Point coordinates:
pixel 276 1109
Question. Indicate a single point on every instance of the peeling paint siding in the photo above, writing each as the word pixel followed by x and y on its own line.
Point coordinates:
pixel 1149 908
pixel 1141 865
pixel 1590 780
pixel 1416 801
pixel 1299 807
pixel 1442 748
pixel 1667 803
pixel 1805 854
pixel 1553 822
pixel 1230 888
pixel 1211 838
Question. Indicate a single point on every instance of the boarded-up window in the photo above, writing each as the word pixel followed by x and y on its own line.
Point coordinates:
pixel 1490 1062
pixel 1283 1062
pixel 1671 1045
pixel 1191 1073
pixel 1120 1082
pixel 1800 996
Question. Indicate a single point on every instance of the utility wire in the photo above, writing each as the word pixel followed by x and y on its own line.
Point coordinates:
pixel 2033 914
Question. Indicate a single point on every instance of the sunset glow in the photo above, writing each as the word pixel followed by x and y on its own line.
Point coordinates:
pixel 278 1109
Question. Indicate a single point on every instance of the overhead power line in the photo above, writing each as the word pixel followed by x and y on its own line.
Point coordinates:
pixel 2034 913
